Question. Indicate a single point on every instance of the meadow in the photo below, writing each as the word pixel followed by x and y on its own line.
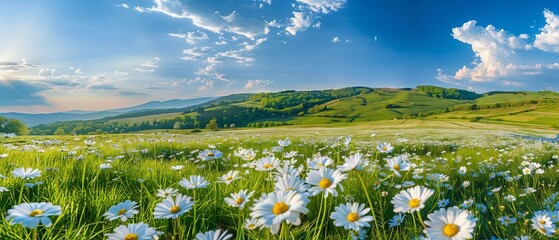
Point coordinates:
pixel 295 182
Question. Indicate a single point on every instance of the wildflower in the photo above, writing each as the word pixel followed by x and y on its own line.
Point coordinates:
pixel 26 173
pixel 177 167
pixel 287 183
pixel 163 193
pixel 276 207
pixel 284 143
pixel 252 223
pixel 135 231
pixel 351 216
pixel 412 199
pixel 229 177
pixel 506 220
pixel 320 162
pixel 207 155
pixel 30 215
pixel 325 180
pixel 245 154
pixel 396 220
pixel 194 182
pixel 238 199
pixel 105 166
pixel 267 164
pixel 214 235
pixel 451 223
pixel 352 162
pixel 462 170
pixel 385 147
pixel 172 208
pixel 123 210
pixel 397 164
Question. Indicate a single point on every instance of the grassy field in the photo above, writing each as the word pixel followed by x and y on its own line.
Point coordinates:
pixel 481 168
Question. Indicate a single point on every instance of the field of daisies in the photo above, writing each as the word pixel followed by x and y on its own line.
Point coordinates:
pixel 162 186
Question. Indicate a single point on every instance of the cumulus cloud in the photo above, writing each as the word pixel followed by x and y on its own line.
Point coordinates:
pixel 548 39
pixel 149 65
pixel 324 6
pixel 492 47
pixel 194 53
pixel 299 23
pixel 124 5
pixel 336 40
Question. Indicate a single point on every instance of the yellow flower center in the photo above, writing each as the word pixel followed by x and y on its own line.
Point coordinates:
pixel 450 230
pixel 175 209
pixel 229 178
pixel 239 200
pixel 384 149
pixel 251 226
pixel 414 203
pixel 280 208
pixel 397 167
pixel 122 211
pixel 325 183
pixel 542 222
pixel 211 154
pixel 320 165
pixel 131 236
pixel 35 212
pixel 352 217
pixel 268 165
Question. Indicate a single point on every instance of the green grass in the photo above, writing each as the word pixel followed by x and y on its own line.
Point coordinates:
pixel 147 118
pixel 85 192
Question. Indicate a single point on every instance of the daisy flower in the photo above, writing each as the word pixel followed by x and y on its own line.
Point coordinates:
pixel 105 166
pixel 26 173
pixel 122 211
pixel 411 199
pixel 506 220
pixel 451 223
pixel 195 181
pixel 287 183
pixel 172 208
pixel 252 223
pixel 238 199
pixel 320 162
pixel 325 180
pixel 214 235
pixel 267 164
pixel 396 220
pixel 177 167
pixel 207 155
pixel 136 231
pixel 352 162
pixel 397 164
pixel 229 177
pixel 351 216
pixel 385 147
pixel 163 193
pixel 30 215
pixel 284 143
pixel 245 154
pixel 274 208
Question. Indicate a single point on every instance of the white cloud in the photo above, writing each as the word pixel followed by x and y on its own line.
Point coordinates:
pixel 207 84
pixel 250 47
pixel 299 23
pixel 335 39
pixel 149 65
pixel 512 83
pixel 492 48
pixel 194 53
pixel 548 39
pixel 124 5
pixel 191 37
pixel 260 84
pixel 324 6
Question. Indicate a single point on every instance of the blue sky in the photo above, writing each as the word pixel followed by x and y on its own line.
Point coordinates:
pixel 65 55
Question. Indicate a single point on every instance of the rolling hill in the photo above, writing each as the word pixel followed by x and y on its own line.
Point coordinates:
pixel 346 105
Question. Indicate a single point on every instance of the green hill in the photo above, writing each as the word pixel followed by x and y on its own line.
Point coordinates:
pixel 346 105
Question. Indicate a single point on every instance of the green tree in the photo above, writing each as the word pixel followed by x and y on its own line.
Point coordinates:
pixel 212 125
pixel 60 131
pixel 13 126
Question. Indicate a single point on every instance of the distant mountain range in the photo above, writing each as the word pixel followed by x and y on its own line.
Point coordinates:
pixel 78 115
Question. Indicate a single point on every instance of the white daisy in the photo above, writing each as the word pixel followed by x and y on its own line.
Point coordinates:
pixel 353 162
pixel 245 154
pixel 214 235
pixel 396 220
pixel 229 177
pixel 30 215
pixel 267 164
pixel 26 173
pixel 397 164
pixel 122 211
pixel 411 199
pixel 207 155
pixel 172 208
pixel 163 193
pixel 451 223
pixel 252 223
pixel 325 180
pixel 287 183
pixel 194 182
pixel 385 147
pixel 320 162
pixel 238 199
pixel 136 231
pixel 274 208
pixel 351 216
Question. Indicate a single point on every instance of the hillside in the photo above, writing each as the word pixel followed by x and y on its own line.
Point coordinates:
pixel 346 105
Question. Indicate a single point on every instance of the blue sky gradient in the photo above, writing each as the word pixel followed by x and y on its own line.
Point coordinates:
pixel 66 55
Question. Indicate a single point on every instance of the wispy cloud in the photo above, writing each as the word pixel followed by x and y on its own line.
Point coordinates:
pixel 149 65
